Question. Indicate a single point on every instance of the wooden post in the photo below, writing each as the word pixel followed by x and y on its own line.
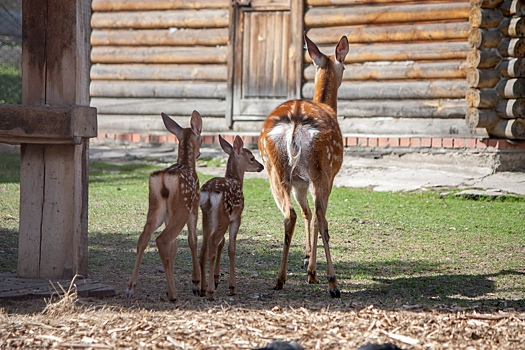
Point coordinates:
pixel 53 177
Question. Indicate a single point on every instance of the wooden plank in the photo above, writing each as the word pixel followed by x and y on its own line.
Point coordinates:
pixel 47 122
pixel 137 106
pixel 512 47
pixel 161 19
pixel 482 78
pixel 394 32
pixel 193 72
pixel 141 5
pixel 401 52
pixel 482 98
pixel 481 118
pixel 509 129
pixel 412 13
pixel 360 2
pixel 452 69
pixel 484 38
pixel 152 124
pixel 485 18
pixel 512 27
pixel 404 109
pixel 295 51
pixel 511 109
pixel 158 37
pixel 159 54
pixel 379 90
pixel 153 88
pixel 484 58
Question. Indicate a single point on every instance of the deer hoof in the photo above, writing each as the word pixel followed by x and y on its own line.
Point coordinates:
pixel 312 277
pixel 202 293
pixel 211 295
pixel 232 290
pixel 129 293
pixel 335 293
pixel 279 284
pixel 196 291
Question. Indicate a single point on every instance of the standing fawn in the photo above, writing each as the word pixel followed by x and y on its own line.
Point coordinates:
pixel 222 203
pixel 174 201
pixel 302 148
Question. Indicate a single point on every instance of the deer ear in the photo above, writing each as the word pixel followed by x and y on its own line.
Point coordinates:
pixel 196 122
pixel 238 144
pixel 317 56
pixel 225 145
pixel 342 49
pixel 172 125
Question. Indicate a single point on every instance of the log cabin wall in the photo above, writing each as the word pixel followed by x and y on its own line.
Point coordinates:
pixel 496 77
pixel 158 56
pixel 405 73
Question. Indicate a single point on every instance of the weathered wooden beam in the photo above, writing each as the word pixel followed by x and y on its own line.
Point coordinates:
pixel 353 2
pixel 34 124
pixel 485 18
pixel 450 69
pixel 150 124
pixel 511 88
pixel 389 33
pixel 481 118
pixel 512 47
pixel 482 78
pixel 354 15
pixel 509 129
pixel 161 19
pixel 482 98
pixel 484 38
pixel 513 8
pixel 159 54
pixel 157 37
pixel 486 4
pixel 511 109
pixel 158 89
pixel 512 27
pixel 484 58
pixel 511 67
pixel 141 5
pixel 172 72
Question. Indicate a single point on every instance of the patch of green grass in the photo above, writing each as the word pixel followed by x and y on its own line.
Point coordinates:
pixel 387 248
pixel 10 84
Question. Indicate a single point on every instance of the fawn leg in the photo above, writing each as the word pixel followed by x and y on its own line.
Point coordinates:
pixel 167 246
pixel 234 228
pixel 301 195
pixel 192 242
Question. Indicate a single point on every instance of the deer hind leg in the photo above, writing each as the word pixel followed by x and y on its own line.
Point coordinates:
pixel 213 249
pixel 281 194
pixel 192 242
pixel 301 195
pixel 155 218
pixel 234 229
pixel 206 233
pixel 321 227
pixel 217 270
pixel 167 247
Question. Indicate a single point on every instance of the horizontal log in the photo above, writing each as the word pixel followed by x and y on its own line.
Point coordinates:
pixel 509 129
pixel 395 90
pixel 159 54
pixel 401 52
pixel 355 15
pixel 389 33
pixel 513 27
pixel 511 67
pixel 486 4
pixel 514 47
pixel 513 8
pixel 194 72
pixel 481 118
pixel 143 106
pixel 353 2
pixel 453 69
pixel 161 19
pixel 141 5
pixel 160 37
pixel 153 125
pixel 407 127
pixel 511 109
pixel 485 18
pixel 482 98
pixel 157 89
pixel 442 108
pixel 482 78
pixel 480 38
pixel 483 59
pixel 31 124
pixel 511 88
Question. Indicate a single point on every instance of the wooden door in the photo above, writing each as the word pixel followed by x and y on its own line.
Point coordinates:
pixel 267 54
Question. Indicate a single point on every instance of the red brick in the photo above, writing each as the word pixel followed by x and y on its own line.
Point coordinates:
pixel 448 143
pixel 404 142
pixel 372 142
pixel 394 141
pixel 481 143
pixel 470 143
pixel 383 142
pixel 362 142
pixel 426 142
pixel 415 142
pixel 437 142
pixel 135 137
pixel 350 141
pixel 459 143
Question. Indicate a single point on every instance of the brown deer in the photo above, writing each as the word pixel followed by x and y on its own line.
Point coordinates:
pixel 174 201
pixel 222 203
pixel 302 148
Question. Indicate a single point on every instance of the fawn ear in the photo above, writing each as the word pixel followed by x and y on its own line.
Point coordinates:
pixel 238 145
pixel 196 122
pixel 172 125
pixel 317 56
pixel 342 49
pixel 225 145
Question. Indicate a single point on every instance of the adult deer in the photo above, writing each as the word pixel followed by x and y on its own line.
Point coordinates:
pixel 174 201
pixel 302 148
pixel 222 203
